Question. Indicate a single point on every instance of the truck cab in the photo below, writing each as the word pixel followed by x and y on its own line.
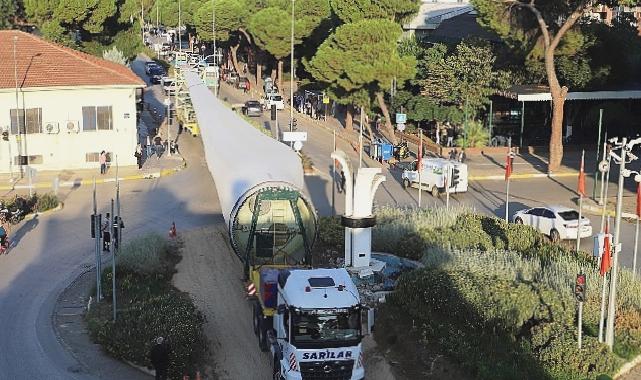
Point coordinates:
pixel 435 175
pixel 314 331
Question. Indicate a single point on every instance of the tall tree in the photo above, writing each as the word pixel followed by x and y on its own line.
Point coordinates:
pixel 363 57
pixel 230 19
pixel 465 78
pixel 524 24
pixel 356 10
pixel 271 27
pixel 8 9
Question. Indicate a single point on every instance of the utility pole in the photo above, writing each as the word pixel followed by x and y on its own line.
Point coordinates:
pixel 180 45
pixel 213 31
pixel 360 142
pixel 609 332
pixel 142 20
pixel 157 22
pixel 112 248
pixel 97 227
pixel 291 75
pixel 18 138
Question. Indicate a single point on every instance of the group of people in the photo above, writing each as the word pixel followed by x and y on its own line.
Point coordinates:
pixel 311 106
pixel 458 156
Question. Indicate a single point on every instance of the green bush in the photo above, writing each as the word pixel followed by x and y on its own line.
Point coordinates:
pixel 148 254
pixel 331 234
pixel 149 306
pixel 46 202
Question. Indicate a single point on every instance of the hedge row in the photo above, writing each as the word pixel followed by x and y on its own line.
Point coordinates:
pixel 149 306
pixel 498 299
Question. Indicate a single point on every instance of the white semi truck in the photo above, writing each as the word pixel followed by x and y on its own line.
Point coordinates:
pixel 310 320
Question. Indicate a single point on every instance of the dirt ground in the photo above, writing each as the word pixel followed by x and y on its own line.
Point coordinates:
pixel 212 274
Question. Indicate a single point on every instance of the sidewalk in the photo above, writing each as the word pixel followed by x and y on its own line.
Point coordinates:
pixel 71 329
pixel 152 168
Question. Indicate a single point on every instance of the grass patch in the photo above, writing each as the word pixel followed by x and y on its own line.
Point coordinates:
pixel 149 306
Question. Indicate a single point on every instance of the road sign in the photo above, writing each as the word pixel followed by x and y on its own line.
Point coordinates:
pixel 401 118
pixel 325 99
pixel 400 127
pixel 604 166
pixel 294 136
pixel 298 146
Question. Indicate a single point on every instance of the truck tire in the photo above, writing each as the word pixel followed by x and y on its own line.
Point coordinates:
pixel 262 336
pixel 276 375
pixel 406 183
pixel 434 191
pixel 257 316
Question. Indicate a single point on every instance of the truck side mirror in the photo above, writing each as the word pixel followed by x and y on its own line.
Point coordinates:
pixel 273 341
pixel 281 309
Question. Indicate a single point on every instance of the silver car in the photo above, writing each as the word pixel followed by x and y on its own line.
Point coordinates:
pixel 253 108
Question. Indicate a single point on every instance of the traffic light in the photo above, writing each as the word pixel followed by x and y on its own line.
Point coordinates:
pixel 5 135
pixel 579 288
pixel 294 124
pixel 456 176
pixel 273 114
pixel 96 222
pixel 116 231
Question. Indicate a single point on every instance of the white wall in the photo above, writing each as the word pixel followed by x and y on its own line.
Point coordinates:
pixel 65 150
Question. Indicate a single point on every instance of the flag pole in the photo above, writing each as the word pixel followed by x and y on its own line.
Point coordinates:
pixel 419 165
pixel 508 174
pixel 581 191
pixel 604 290
pixel 636 230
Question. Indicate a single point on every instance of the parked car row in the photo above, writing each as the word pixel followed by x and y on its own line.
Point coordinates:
pixel 154 71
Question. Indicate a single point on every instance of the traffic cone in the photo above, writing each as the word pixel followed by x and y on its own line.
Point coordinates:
pixel 172 230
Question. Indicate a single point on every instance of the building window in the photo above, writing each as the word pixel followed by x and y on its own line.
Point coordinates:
pixel 97 118
pixel 95 157
pixel 31 160
pixel 33 121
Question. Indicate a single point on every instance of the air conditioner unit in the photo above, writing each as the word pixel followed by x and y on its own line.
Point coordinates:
pixel 73 126
pixel 52 128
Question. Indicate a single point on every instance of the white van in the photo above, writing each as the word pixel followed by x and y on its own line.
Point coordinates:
pixel 435 173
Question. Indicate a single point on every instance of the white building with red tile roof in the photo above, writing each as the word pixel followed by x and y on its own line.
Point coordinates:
pixel 59 108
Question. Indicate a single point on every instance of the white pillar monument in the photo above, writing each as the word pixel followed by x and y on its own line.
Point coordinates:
pixel 358 219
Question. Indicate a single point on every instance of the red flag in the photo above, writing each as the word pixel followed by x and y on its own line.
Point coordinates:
pixel 605 256
pixel 581 187
pixel 508 166
pixel 639 200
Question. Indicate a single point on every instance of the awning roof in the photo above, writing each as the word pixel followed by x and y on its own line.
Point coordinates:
pixel 542 93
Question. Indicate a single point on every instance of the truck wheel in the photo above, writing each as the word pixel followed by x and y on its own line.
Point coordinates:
pixel 554 236
pixel 406 183
pixel 276 370
pixel 262 336
pixel 435 192
pixel 518 220
pixel 257 317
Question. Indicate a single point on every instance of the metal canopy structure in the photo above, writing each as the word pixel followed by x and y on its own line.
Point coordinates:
pixel 542 93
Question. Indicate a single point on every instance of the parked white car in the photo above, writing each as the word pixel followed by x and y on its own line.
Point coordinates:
pixel 558 222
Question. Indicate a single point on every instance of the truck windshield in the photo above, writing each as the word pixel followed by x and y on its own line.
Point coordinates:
pixel 314 327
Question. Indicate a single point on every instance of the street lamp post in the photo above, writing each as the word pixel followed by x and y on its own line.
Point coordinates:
pixel 291 76
pixel 180 45
pixel 15 75
pixel 168 105
pixel 213 29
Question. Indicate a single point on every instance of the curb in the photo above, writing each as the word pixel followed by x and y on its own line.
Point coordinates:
pixel 598 210
pixel 627 367
pixel 48 185
pixel 521 176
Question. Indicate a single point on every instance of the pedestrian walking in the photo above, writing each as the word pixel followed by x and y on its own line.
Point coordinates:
pixel 106 233
pixel 148 146
pixel 462 156
pixel 159 357
pixel 138 155
pixel 158 147
pixel 103 162
pixel 453 154
pixel 450 135
pixel 341 182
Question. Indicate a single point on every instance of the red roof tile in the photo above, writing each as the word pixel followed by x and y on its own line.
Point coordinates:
pixel 44 64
